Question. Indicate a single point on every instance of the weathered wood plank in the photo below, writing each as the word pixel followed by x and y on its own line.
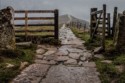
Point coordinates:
pixel 35 36
pixel 34 31
pixel 34 11
pixel 20 25
pixel 34 18
pixel 92 19
pixel 96 12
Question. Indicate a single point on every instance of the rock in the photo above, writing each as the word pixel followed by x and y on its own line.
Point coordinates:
pixel 7 32
pixel 64 74
pixel 120 68
pixel 98 50
pixel 71 62
pixel 87 54
pixel 39 56
pixel 124 12
pixel 23 65
pixel 62 53
pixel 99 56
pixel 74 55
pixel 32 74
pixel 52 62
pixel 75 50
pixel 24 44
pixel 107 61
pixel 40 51
pixel 8 65
pixel 49 57
pixel 50 52
pixel 80 63
pixel 62 58
pixel 89 64
pixel 83 58
pixel 41 62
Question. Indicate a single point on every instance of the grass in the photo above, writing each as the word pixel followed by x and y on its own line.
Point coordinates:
pixel 32 28
pixel 108 72
pixel 15 58
pixel 81 34
pixel 38 36
pixel 36 28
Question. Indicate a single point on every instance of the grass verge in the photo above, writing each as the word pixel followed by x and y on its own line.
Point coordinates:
pixel 109 73
pixel 14 58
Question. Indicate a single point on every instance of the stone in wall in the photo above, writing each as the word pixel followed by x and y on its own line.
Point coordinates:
pixel 119 38
pixel 7 33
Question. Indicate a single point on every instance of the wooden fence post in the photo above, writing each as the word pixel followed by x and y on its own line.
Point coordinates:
pixel 109 27
pixel 56 24
pixel 92 25
pixel 104 25
pixel 26 24
pixel 114 20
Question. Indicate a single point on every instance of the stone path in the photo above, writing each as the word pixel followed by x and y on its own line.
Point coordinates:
pixel 66 64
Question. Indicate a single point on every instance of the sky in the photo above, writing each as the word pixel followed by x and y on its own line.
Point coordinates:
pixel 77 8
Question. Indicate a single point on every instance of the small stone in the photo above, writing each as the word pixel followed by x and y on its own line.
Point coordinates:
pixel 97 50
pixel 52 62
pixel 71 62
pixel 9 65
pixel 80 63
pixel 99 56
pixel 62 58
pixel 75 50
pixel 107 61
pixel 83 58
pixel 39 56
pixel 40 51
pixel 120 68
pixel 23 65
pixel 87 54
pixel 62 53
pixel 89 64
pixel 41 61
pixel 49 57
pixel 74 55
pixel 39 46
pixel 50 52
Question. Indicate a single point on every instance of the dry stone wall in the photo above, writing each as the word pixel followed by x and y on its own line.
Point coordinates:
pixel 7 33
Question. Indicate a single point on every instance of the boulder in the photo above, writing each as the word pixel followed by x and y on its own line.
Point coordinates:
pixel 7 33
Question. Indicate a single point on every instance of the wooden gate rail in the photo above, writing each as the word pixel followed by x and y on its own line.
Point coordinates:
pixel 99 17
pixel 26 18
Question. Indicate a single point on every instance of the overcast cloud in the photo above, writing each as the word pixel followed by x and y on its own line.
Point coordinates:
pixel 77 8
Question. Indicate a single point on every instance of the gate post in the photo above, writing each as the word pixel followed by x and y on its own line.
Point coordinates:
pixel 114 21
pixel 104 26
pixel 92 19
pixel 56 24
pixel 109 27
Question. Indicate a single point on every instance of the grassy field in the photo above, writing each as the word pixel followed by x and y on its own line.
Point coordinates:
pixel 32 28
pixel 81 34
pixel 109 73
pixel 14 58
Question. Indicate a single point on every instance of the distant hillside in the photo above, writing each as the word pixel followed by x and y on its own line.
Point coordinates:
pixel 69 18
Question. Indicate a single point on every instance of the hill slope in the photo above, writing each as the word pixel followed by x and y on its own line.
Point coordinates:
pixel 69 18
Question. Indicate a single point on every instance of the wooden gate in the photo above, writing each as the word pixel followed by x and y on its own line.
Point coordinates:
pixel 26 18
pixel 100 24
